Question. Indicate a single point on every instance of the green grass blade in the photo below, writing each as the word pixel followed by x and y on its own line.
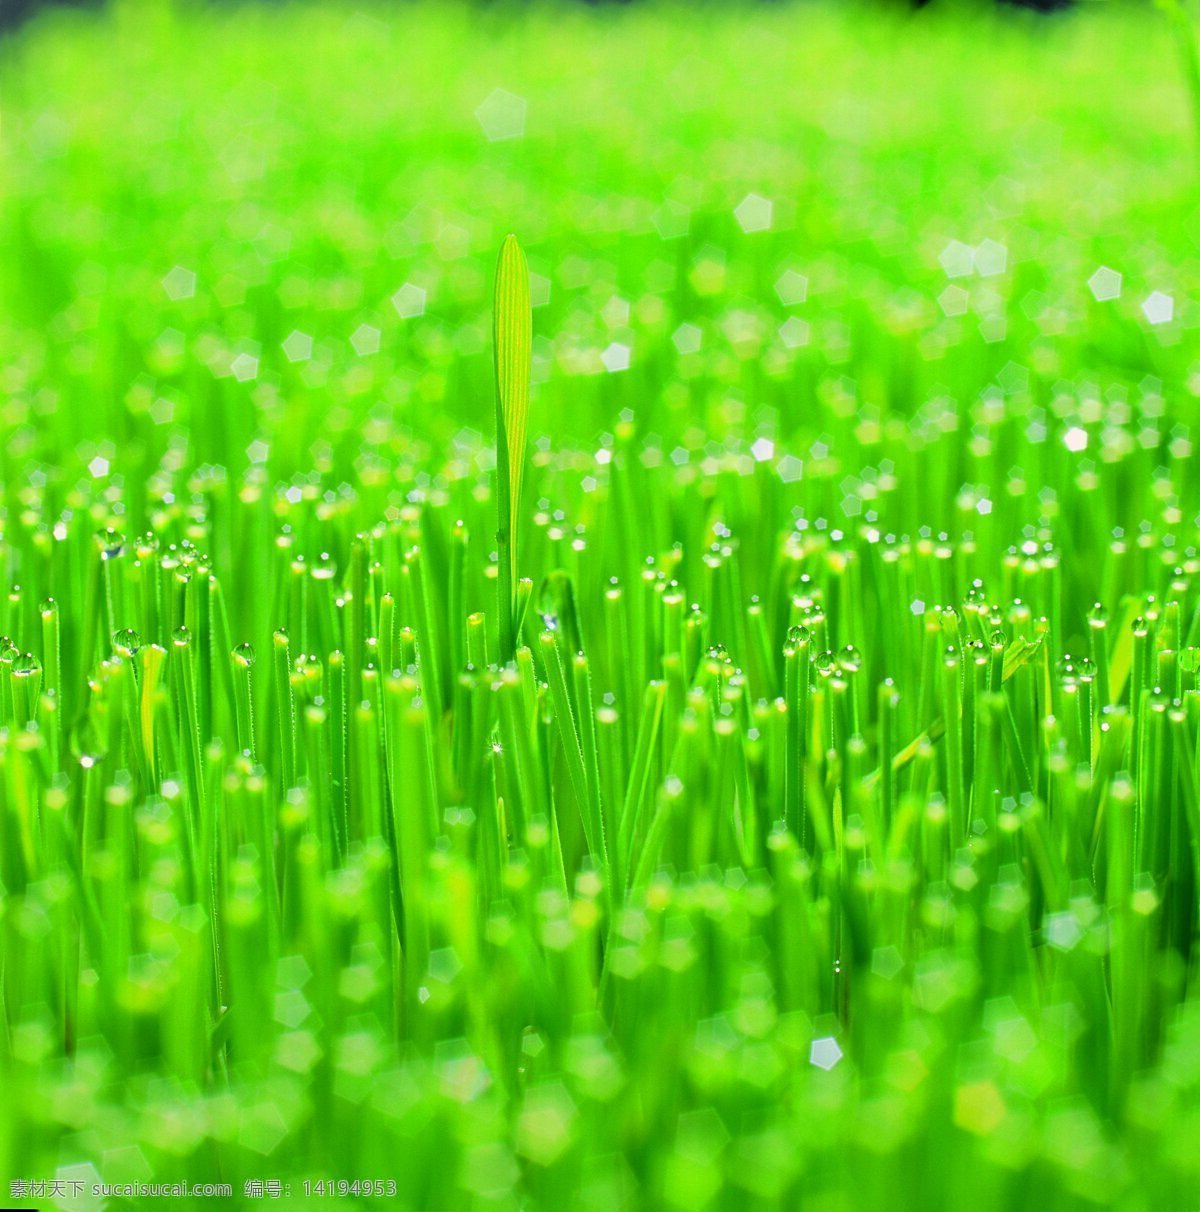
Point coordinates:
pixel 512 336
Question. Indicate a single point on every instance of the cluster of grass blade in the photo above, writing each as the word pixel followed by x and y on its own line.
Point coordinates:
pixel 764 775
pixel 726 844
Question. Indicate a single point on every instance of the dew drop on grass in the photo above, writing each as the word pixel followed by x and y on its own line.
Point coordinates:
pixel 8 650
pixel 281 637
pixel 850 659
pixel 324 569
pixel 181 637
pixel 797 634
pixel 244 655
pixel 111 543
pixel 825 663
pixel 1145 899
pixel 26 666
pixel 126 642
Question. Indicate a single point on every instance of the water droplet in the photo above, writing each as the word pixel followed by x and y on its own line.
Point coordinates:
pixel 111 543
pixel 48 606
pixel 126 642
pixel 181 637
pixel 26 666
pixel 825 663
pixel 324 569
pixel 8 650
pixel 797 635
pixel 243 654
pixel 1097 616
pixel 281 636
pixel 850 659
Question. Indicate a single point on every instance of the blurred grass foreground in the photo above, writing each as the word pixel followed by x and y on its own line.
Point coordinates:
pixel 832 841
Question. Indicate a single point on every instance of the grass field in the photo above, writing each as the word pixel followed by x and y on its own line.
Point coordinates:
pixel 831 839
